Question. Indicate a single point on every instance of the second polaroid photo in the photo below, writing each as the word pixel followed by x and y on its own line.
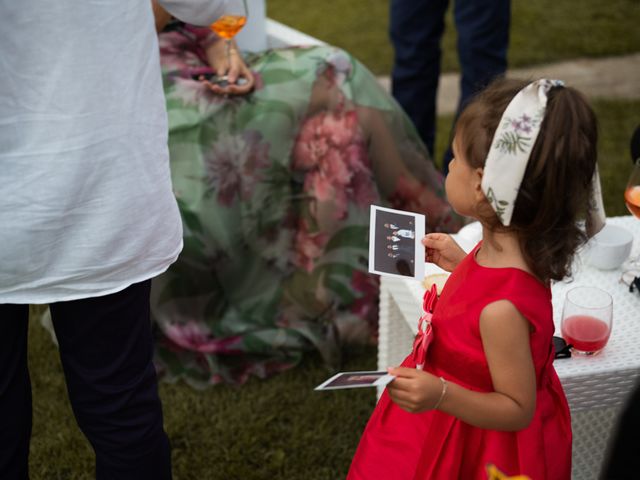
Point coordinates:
pixel 356 380
pixel 395 243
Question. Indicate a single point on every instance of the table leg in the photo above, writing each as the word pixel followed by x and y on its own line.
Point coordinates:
pixel 395 337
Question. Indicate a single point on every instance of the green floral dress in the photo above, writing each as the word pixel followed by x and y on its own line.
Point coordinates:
pixel 274 189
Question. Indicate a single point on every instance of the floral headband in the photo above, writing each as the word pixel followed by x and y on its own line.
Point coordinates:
pixel 510 151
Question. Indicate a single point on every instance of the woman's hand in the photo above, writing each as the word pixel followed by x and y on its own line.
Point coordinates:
pixel 442 250
pixel 240 78
pixel 414 390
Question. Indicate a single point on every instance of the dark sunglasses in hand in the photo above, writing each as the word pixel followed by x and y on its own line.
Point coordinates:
pixel 562 350
pixel 631 278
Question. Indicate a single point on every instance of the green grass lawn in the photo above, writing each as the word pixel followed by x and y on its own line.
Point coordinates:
pixel 274 429
pixel 541 31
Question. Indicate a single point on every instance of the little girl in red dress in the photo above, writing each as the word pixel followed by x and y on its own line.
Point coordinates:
pixel 525 167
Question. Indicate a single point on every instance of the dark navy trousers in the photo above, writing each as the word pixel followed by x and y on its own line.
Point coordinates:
pixel 106 349
pixel 416 32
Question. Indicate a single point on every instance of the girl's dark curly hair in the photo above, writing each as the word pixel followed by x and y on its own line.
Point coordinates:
pixel 554 195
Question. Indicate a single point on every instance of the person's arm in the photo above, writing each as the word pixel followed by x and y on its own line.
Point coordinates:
pixel 236 69
pixel 195 12
pixel 510 407
pixel 215 52
pixel 161 16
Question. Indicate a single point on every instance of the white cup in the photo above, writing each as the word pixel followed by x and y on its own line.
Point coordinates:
pixel 609 248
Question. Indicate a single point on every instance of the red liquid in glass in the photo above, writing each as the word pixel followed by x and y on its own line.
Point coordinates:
pixel 585 333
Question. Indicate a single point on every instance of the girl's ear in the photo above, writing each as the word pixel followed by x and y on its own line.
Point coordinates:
pixel 477 184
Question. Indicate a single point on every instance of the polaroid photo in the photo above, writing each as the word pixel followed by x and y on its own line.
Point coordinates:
pixel 395 243
pixel 356 380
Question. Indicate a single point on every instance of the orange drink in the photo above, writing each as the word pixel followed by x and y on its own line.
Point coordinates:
pixel 228 26
pixel 632 199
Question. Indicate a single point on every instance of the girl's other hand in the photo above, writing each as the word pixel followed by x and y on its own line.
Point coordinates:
pixel 240 79
pixel 442 250
pixel 414 390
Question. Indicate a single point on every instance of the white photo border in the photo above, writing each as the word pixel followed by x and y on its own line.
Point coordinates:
pixel 384 379
pixel 419 222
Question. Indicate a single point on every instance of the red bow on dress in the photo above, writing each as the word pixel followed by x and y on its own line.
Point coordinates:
pixel 425 332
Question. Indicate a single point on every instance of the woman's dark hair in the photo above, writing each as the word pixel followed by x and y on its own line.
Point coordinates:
pixel 554 195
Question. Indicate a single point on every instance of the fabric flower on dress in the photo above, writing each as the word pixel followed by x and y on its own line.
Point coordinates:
pixel 331 148
pixel 179 53
pixel 196 337
pixel 341 128
pixel 310 146
pixel 235 165
pixel 308 246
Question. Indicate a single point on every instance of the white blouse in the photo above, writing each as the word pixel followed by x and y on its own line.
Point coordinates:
pixel 86 204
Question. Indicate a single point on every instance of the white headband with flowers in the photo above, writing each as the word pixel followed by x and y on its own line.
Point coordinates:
pixel 511 148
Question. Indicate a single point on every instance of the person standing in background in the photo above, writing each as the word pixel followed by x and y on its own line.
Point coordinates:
pixel 416 32
pixel 87 218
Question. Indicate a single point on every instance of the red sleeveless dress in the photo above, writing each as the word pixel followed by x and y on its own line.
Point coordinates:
pixel 397 445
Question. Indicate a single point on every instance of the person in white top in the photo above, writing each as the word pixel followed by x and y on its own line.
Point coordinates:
pixel 87 218
pixel 403 232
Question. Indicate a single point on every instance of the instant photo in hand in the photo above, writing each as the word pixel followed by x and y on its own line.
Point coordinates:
pixel 395 243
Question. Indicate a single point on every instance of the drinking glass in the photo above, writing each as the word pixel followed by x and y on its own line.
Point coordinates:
pixel 227 26
pixel 632 200
pixel 587 317
pixel 632 192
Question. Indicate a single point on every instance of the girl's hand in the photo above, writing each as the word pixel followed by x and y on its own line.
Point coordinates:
pixel 414 390
pixel 241 80
pixel 442 250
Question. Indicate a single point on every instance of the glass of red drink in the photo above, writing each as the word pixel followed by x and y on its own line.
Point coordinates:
pixel 587 317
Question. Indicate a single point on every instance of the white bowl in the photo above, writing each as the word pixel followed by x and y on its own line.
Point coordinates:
pixel 609 248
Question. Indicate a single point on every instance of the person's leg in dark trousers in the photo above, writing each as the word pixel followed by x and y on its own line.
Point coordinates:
pixel 106 349
pixel 15 393
pixel 483 41
pixel 416 33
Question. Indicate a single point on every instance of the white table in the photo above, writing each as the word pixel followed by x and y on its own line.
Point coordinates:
pixel 596 387
pixel 261 32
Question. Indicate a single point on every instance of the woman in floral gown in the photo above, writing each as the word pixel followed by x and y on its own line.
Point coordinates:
pixel 274 189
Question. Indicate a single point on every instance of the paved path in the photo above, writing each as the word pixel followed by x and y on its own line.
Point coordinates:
pixel 610 77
